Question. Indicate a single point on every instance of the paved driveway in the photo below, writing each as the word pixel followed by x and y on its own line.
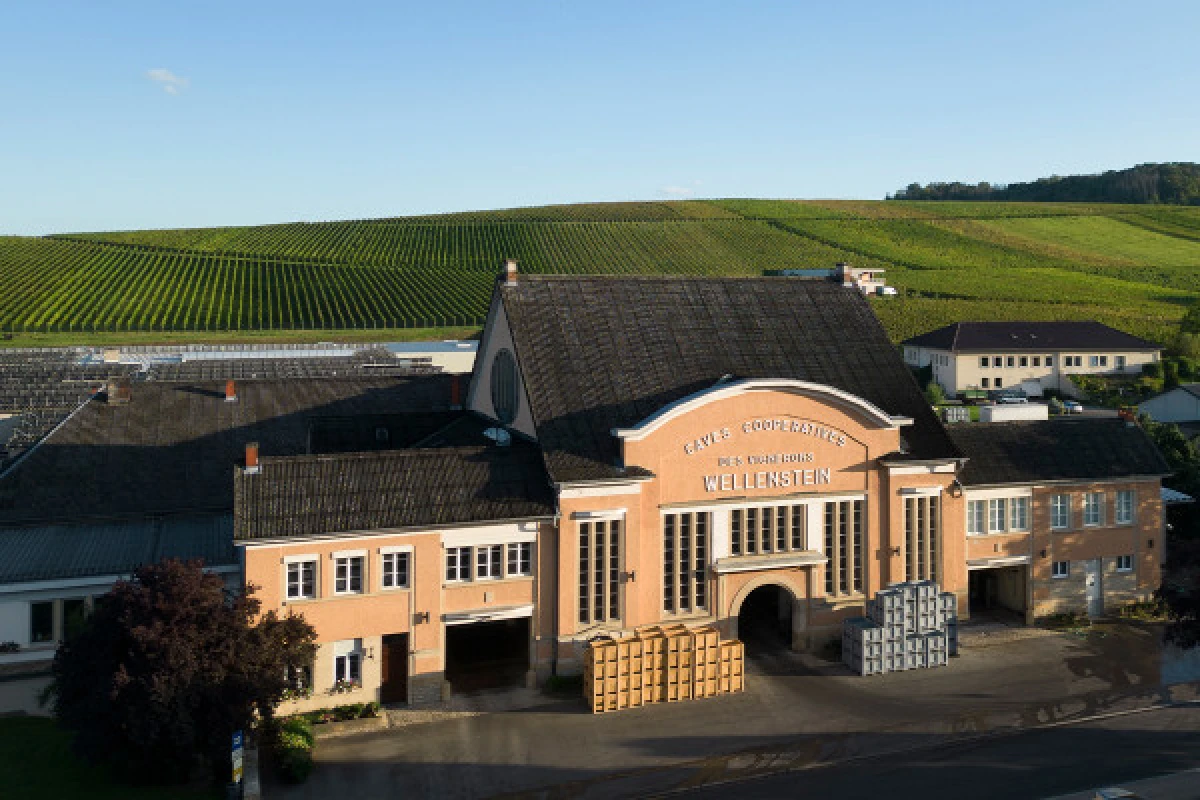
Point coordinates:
pixel 813 707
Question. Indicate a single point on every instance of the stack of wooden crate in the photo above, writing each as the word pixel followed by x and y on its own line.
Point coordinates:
pixel 661 664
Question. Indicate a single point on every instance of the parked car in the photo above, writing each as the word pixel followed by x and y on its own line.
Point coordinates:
pixel 1012 399
pixel 1072 407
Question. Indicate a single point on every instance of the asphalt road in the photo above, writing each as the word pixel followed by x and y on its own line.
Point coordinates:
pixel 1036 764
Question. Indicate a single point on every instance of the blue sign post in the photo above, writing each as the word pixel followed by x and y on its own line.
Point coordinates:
pixel 237 756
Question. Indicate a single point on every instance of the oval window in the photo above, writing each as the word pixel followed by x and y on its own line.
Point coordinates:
pixel 504 387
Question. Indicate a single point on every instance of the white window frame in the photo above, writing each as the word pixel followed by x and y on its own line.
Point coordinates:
pixel 308 558
pixel 1010 361
pixel 395 552
pixel 1018 513
pixel 347 659
pixel 998 362
pixel 1126 502
pixel 1065 572
pixel 346 558
pixel 983 382
pixel 520 554
pixel 1055 518
pixel 1024 361
pixel 1119 362
pixel 976 517
pixel 463 557
pixel 1049 361
pixel 1037 361
pixel 489 562
pixel 1093 509
pixel 984 362
pixel 1127 560
pixel 1093 361
pixel 997 510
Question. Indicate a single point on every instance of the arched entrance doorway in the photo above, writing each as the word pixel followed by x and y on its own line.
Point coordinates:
pixel 765 619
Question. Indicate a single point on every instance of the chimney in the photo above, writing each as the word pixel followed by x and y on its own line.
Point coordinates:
pixel 118 392
pixel 230 391
pixel 456 392
pixel 252 467
pixel 510 272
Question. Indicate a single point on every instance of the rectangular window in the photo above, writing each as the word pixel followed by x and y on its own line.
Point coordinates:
pixel 1104 361
pixel 830 523
pixel 685 574
pixel 781 529
pixel 975 516
pixel 488 562
pixel 347 668
pixel 996 515
pixel 301 579
pixel 74 612
pixel 999 383
pixel 798 521
pixel 1093 508
pixel 997 362
pixel 1061 569
pixel 983 362
pixel 520 558
pixel 458 564
pixel 1049 361
pixel 1125 507
pixel 1011 361
pixel 843 543
pixel 599 571
pixel 735 532
pixel 1024 361
pixel 1060 511
pixel 1019 508
pixel 41 622
pixel 984 382
pixel 1120 362
pixel 394 570
pixel 921 536
pixel 1125 563
pixel 1093 361
pixel 1037 361
pixel 348 575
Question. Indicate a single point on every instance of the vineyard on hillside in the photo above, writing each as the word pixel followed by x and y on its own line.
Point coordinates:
pixel 1135 267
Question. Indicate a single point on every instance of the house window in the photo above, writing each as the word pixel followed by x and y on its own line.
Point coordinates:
pixel 301 579
pixel 1061 569
pixel 74 612
pixel 347 662
pixel 395 570
pixel 1012 361
pixel 1125 507
pixel 599 571
pixel 921 522
pixel 996 514
pixel 777 529
pixel 1037 361
pixel 983 362
pixel 520 558
pixel 1093 508
pixel 348 575
pixel 1125 563
pixel 488 564
pixel 1019 514
pixel 843 543
pixel 504 387
pixel 1120 362
pixel 299 676
pixel 997 362
pixel 999 383
pixel 1049 361
pixel 975 516
pixel 1024 361
pixel 1060 511
pixel 983 382
pixel 1104 361
pixel 458 564
pixel 685 575
pixel 41 622
pixel 1093 361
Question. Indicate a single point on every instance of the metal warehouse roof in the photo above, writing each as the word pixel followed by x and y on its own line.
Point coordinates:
pixel 57 552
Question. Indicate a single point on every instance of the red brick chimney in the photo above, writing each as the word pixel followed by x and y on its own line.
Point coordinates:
pixel 510 272
pixel 252 466
pixel 230 391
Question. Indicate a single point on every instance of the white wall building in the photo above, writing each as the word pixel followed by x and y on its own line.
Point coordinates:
pixel 1181 404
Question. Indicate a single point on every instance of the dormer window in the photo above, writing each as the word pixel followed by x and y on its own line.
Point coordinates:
pixel 504 387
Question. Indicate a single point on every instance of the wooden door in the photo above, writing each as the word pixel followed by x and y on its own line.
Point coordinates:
pixel 394 668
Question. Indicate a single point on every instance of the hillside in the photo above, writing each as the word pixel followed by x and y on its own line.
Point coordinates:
pixel 1175 184
pixel 1135 267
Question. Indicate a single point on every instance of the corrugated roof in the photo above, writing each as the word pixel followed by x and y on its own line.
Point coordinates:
pixel 1039 337
pixel 599 353
pixel 57 552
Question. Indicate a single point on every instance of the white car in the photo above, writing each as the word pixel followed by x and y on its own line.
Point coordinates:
pixel 1072 407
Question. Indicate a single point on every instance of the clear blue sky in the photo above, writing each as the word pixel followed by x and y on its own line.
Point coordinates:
pixel 169 114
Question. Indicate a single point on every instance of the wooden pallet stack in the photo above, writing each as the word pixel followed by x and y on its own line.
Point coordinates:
pixel 661 664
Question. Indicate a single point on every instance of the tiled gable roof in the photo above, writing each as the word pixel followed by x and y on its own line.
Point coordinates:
pixel 599 353
pixel 317 495
pixel 967 337
pixel 1055 450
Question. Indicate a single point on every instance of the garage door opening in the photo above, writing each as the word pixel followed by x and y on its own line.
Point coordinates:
pixel 998 593
pixel 487 655
pixel 765 620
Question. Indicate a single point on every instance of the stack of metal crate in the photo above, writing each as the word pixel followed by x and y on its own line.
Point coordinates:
pixel 908 626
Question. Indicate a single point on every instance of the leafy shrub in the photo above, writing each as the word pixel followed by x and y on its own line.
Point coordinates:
pixel 934 393
pixel 1152 370
pixel 292 749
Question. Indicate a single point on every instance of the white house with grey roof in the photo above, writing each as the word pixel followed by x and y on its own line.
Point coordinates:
pixel 1179 405
pixel 1027 356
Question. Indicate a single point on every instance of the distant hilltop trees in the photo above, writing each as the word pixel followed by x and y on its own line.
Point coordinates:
pixel 1174 184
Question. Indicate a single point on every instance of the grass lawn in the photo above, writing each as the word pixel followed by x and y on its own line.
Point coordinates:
pixel 236 337
pixel 36 763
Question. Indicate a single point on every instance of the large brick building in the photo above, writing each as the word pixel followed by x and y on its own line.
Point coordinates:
pixel 742 452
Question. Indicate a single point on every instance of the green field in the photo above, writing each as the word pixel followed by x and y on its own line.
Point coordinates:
pixel 1134 267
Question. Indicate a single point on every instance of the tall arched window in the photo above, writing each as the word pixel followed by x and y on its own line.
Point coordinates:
pixel 504 387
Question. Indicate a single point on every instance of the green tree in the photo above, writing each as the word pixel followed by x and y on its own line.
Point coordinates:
pixel 167 667
pixel 934 393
